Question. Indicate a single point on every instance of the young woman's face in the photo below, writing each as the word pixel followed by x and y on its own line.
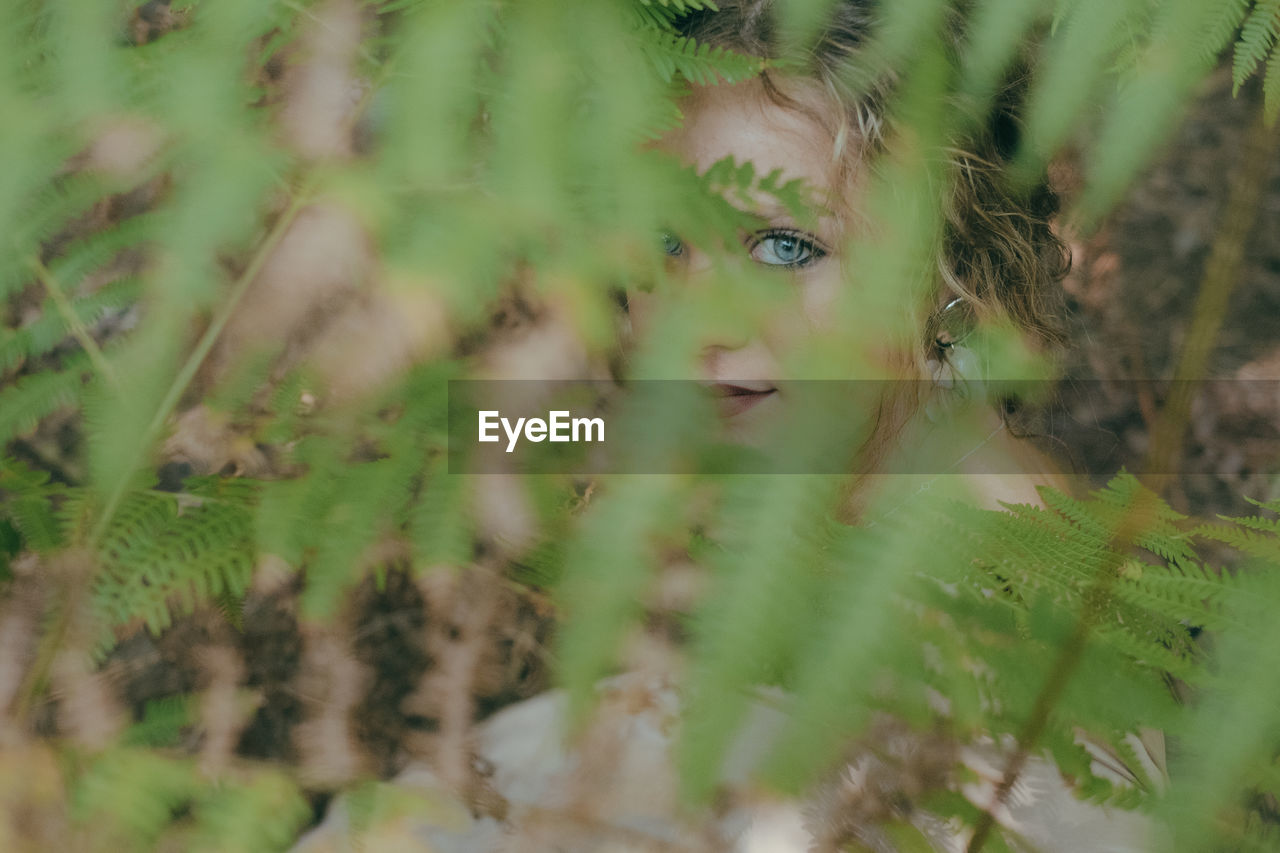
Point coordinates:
pixel 743 122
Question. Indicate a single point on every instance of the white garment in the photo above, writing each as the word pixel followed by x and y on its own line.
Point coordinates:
pixel 615 791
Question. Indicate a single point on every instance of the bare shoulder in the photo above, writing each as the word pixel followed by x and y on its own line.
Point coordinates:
pixel 1010 470
pixel 981 463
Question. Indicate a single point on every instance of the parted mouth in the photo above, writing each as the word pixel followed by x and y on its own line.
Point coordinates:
pixel 734 398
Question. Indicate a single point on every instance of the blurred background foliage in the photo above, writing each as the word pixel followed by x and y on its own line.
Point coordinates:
pixel 249 243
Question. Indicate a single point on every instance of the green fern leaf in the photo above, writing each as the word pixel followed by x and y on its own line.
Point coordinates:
pixel 763 609
pixel 165 553
pixel 658 16
pixel 162 723
pixel 702 64
pixel 1254 522
pixel 131 795
pixel 1147 102
pixel 845 653
pixel 440 526
pixel 1270 506
pixel 366 502
pixel 38 395
pixel 1225 17
pixel 1271 87
pixel 42 335
pixel 35 518
pixel 1252 542
pixel 606 567
pixel 49 211
pixel 1257 36
pixel 96 250
pixel 682 6
pixel 1076 61
pixel 260 815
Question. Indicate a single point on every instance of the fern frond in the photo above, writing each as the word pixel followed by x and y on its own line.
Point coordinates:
pixel 289 510
pixel 164 553
pixel 1224 18
pixel 440 525
pixel 29 203
pixel 775 553
pixel 1190 593
pixel 97 249
pixel 38 395
pixel 1269 506
pixel 1159 531
pixel 997 28
pixel 1148 101
pixel 1235 723
pixel 1245 540
pixel 844 653
pixel 1271 87
pixel 328 517
pixel 50 329
pixel 49 211
pixel 260 815
pixel 1153 653
pixel 37 521
pixel 702 64
pixel 1254 522
pixel 658 16
pixel 1256 835
pixel 366 502
pixel 131 795
pixel 1077 58
pixel 666 117
pixel 1257 36
pixel 162 722
pixel 606 567
pixel 1036 549
pixel 682 6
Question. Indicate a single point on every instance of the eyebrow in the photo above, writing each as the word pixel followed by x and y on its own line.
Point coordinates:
pixel 775 214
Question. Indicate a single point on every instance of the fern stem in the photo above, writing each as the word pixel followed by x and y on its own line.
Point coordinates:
pixel 1220 276
pixel 1064 667
pixel 1221 273
pixel 179 386
pixel 198 355
pixel 68 599
pixel 77 328
pixel 71 595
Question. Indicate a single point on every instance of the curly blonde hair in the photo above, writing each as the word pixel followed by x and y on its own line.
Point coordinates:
pixel 997 249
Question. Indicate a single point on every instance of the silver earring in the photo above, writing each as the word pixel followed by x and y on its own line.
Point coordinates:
pixel 954 368
pixel 954 322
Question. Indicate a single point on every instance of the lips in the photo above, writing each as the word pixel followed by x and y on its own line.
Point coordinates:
pixel 734 398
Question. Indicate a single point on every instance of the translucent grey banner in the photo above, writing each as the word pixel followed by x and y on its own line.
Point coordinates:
pixel 836 427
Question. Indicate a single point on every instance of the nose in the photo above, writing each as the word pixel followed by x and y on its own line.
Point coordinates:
pixel 749 362
pixel 731 348
pixel 714 359
pixel 721 342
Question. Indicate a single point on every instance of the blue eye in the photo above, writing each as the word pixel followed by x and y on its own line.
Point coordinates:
pixel 783 248
pixel 672 245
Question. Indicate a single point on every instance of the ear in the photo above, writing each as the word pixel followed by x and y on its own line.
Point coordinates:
pixel 950 325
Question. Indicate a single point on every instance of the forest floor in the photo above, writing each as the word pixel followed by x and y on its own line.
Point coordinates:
pixel 1132 292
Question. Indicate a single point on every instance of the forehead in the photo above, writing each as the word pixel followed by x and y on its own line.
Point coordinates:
pixel 742 120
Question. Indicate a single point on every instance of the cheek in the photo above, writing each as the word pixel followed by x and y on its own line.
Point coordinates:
pixel 807 312
pixel 820 309
pixel 639 311
pixel 819 293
